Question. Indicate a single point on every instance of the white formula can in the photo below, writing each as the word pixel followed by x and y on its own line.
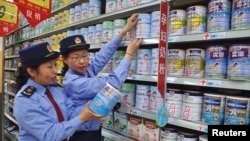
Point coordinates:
pixel 121 4
pixel 174 94
pixel 195 62
pixel 111 6
pixel 168 134
pixel 177 22
pixel 186 136
pixel 176 59
pixel 174 107
pixel 196 19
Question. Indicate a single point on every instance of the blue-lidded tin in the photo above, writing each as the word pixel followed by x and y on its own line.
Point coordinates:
pixel 216 62
pixel 78 9
pixel 105 100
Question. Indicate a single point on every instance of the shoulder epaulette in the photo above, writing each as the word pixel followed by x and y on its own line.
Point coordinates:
pixel 29 91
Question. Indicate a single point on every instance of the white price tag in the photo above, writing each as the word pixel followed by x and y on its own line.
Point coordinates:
pixel 213 83
pixel 218 35
pixel 134 112
pixel 173 39
pixel 171 79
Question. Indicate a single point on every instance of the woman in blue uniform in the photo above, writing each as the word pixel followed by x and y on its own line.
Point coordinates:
pixel 41 108
pixel 81 82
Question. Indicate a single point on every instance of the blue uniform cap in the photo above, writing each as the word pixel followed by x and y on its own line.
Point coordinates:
pixel 73 43
pixel 37 54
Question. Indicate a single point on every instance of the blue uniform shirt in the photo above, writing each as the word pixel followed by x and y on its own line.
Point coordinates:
pixel 83 87
pixel 37 118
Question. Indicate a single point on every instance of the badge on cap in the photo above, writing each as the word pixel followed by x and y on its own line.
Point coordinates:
pixel 77 40
pixel 29 91
pixel 49 48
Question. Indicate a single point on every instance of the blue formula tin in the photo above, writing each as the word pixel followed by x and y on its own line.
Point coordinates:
pixel 91 34
pixel 239 62
pixel 237 106
pixel 219 6
pixel 212 118
pixel 105 100
pixel 218 22
pixel 94 11
pixel 155 16
pixel 231 120
pixel 240 19
pixel 216 62
pixel 144 18
pixel 214 103
pixel 85 11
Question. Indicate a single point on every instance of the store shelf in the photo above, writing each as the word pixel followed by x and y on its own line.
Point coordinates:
pixel 10 69
pixel 233 34
pixel 11 118
pixel 204 82
pixel 124 13
pixel 198 126
pixel 147 7
pixel 9 105
pixel 114 136
pixel 9 136
pixel 179 3
pixel 10 93
pixel 150 41
pixel 11 56
pixel 54 12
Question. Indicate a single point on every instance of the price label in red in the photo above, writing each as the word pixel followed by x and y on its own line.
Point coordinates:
pixel 163 42
pixel 8 17
pixel 34 11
